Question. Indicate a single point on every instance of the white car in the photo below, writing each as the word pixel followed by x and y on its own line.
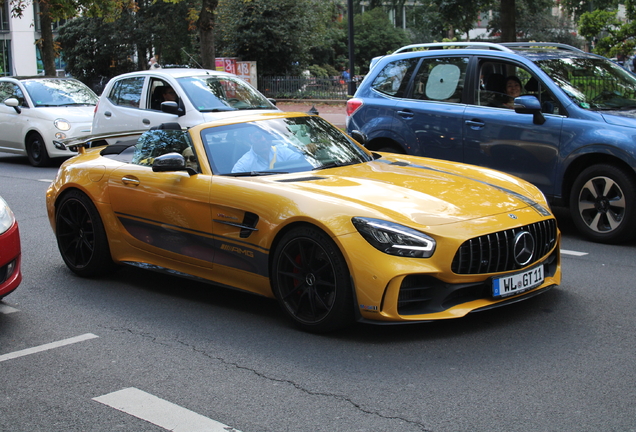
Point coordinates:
pixel 141 100
pixel 35 111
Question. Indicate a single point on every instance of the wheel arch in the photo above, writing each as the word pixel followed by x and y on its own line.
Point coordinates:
pixel 584 161
pixel 375 144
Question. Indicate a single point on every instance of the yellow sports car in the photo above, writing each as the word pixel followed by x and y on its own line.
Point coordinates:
pixel 285 205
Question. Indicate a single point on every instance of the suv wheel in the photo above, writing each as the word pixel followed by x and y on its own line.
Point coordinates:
pixel 602 204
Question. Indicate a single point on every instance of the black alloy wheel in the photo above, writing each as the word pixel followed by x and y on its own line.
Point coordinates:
pixel 310 279
pixel 36 151
pixel 602 204
pixel 81 237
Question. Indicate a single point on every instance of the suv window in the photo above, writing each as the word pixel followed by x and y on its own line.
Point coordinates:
pixel 127 92
pixel 493 78
pixel 441 79
pixel 393 80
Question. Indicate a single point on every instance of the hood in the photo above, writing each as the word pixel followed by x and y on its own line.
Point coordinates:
pixel 620 118
pixel 427 195
pixel 78 114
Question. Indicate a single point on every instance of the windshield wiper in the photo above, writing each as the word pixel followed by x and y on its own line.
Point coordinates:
pixel 333 165
pixel 218 109
pixel 255 173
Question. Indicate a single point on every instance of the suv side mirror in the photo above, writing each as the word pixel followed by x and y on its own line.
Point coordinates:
pixel 530 105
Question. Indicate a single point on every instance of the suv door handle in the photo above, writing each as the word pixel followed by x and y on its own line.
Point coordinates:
pixel 107 113
pixel 406 114
pixel 475 124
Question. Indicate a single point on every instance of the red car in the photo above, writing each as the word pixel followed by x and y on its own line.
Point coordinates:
pixel 10 252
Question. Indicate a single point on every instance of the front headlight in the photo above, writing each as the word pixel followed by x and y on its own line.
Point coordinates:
pixel 395 239
pixel 6 216
pixel 62 124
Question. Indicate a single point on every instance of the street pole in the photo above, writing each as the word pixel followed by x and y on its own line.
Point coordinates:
pixel 352 84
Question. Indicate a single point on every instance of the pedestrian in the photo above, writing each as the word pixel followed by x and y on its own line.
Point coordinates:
pixel 153 63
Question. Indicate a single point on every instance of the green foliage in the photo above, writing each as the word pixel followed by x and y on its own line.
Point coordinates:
pixel 614 37
pixel 375 36
pixel 277 34
pixel 317 71
pixel 94 49
pixel 579 7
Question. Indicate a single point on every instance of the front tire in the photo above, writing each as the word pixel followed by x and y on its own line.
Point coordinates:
pixel 602 204
pixel 36 151
pixel 311 281
pixel 81 237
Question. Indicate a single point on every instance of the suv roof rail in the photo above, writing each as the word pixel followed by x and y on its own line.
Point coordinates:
pixel 450 45
pixel 551 45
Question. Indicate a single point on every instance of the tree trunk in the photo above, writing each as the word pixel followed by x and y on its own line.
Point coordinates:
pixel 508 23
pixel 46 47
pixel 206 33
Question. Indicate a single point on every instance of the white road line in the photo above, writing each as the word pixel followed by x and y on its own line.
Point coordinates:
pixel 45 180
pixel 6 309
pixel 574 253
pixel 47 347
pixel 160 412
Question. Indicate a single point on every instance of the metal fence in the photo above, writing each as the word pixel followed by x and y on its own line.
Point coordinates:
pixel 293 87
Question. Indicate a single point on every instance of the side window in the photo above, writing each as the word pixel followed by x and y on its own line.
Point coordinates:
pixel 500 83
pixel 441 79
pixel 127 92
pixel 10 90
pixel 157 142
pixel 160 91
pixel 393 80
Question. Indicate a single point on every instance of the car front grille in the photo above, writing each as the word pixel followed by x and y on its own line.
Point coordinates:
pixel 493 253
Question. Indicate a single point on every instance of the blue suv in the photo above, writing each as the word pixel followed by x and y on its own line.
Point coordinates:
pixel 570 127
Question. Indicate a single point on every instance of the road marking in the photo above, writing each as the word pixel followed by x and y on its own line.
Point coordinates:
pixel 47 347
pixel 162 413
pixel 45 180
pixel 574 253
pixel 6 309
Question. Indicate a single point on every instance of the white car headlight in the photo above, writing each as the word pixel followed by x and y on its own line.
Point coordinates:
pixel 395 239
pixel 62 124
pixel 6 216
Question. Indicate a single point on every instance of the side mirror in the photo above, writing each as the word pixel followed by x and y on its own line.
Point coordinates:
pixel 359 136
pixel 530 105
pixel 272 100
pixel 169 162
pixel 13 102
pixel 172 107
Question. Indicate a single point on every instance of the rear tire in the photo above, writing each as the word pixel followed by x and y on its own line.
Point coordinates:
pixel 36 151
pixel 81 237
pixel 602 204
pixel 311 281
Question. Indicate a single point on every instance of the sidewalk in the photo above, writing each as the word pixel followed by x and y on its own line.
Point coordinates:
pixel 334 112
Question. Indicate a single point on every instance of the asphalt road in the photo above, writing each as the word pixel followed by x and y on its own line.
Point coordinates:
pixel 138 351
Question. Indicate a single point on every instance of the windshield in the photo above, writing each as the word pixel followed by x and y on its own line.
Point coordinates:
pixel 593 83
pixel 222 93
pixel 279 146
pixel 59 92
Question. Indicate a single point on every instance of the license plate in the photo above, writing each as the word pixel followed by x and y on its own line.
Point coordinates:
pixel 517 283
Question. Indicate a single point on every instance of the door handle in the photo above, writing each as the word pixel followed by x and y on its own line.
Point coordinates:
pixel 130 180
pixel 475 124
pixel 406 114
pixel 146 121
pixel 108 114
